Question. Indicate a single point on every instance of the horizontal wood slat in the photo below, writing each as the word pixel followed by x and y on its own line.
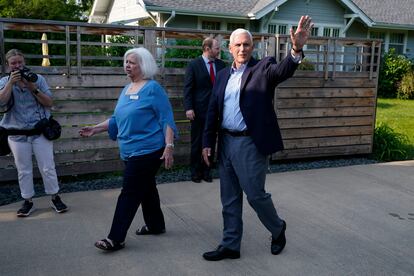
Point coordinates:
pixel 322 152
pixel 317 118
pixel 328 111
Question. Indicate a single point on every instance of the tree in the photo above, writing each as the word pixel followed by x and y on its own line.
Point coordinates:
pixel 45 9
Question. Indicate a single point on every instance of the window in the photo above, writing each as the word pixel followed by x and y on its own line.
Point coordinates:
pixel 331 32
pixel 277 29
pixel 314 31
pixel 390 41
pixel 272 29
pixel 397 42
pixel 210 25
pixel 282 29
pixel 234 26
pixel 379 35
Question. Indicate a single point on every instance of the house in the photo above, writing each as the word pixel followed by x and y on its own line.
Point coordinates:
pixel 390 20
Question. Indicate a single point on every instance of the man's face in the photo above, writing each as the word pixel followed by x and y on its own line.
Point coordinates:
pixel 214 51
pixel 241 49
pixel 16 63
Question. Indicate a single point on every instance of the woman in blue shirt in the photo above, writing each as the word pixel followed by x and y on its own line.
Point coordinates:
pixel 144 127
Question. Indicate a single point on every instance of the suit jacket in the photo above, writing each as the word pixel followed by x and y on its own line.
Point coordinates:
pixel 198 86
pixel 257 89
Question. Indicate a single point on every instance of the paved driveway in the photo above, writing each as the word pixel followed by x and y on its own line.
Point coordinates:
pixel 356 220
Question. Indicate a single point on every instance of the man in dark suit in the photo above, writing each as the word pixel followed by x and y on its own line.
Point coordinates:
pixel 241 112
pixel 199 80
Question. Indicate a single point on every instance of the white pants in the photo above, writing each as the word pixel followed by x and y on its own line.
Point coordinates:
pixel 42 148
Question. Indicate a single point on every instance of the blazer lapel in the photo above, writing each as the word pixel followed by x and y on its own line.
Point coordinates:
pixel 222 89
pixel 204 67
pixel 247 73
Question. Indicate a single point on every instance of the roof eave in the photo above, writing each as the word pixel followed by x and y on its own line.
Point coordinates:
pixel 195 13
pixel 383 25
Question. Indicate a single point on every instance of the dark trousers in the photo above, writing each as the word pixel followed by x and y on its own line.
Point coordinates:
pixel 243 169
pixel 198 167
pixel 139 187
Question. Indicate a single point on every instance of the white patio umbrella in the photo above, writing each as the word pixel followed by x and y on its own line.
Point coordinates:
pixel 45 50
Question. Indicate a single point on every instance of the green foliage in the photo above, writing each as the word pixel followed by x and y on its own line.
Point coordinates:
pixel 306 65
pixel 406 87
pixel 393 68
pixel 388 144
pixel 63 10
pixel 183 53
pixel 66 10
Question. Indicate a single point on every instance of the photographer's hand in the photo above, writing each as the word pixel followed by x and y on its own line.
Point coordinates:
pixel 14 77
pixel 5 93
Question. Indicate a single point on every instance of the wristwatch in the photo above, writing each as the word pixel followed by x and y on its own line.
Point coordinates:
pixel 169 145
pixel 36 91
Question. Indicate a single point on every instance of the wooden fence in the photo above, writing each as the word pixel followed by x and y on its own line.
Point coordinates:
pixel 327 109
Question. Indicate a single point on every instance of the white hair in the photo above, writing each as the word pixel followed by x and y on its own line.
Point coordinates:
pixel 240 31
pixel 145 60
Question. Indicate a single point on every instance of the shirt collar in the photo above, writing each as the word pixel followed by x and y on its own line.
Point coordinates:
pixel 241 69
pixel 206 60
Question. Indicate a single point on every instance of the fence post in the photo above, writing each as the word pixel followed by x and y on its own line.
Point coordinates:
pixel 67 32
pixel 219 39
pixel 149 41
pixel 2 50
pixel 271 47
pixel 78 51
pixel 371 66
pixel 334 60
pixel 326 55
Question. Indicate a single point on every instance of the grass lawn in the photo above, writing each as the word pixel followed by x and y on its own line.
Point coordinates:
pixel 399 115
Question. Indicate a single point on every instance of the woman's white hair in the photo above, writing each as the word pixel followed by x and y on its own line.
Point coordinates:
pixel 236 32
pixel 145 61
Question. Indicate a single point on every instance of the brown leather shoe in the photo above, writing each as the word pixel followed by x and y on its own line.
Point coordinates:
pixel 221 253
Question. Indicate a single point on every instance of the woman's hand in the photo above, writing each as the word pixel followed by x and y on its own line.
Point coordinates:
pixel 168 158
pixel 87 131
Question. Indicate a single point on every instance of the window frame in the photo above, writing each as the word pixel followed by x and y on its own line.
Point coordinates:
pixel 385 45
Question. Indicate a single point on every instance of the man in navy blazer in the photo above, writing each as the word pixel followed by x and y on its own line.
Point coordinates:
pixel 241 112
pixel 198 84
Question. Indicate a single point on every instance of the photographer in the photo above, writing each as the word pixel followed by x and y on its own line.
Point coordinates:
pixel 32 100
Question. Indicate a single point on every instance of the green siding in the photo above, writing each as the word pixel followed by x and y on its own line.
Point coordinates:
pixel 321 11
pixel 183 21
pixel 357 29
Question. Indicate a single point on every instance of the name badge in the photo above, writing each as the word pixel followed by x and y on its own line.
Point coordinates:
pixel 134 97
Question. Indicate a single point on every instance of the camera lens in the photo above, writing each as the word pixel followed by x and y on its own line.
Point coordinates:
pixel 27 75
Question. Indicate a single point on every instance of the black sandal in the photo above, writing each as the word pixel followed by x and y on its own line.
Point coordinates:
pixel 106 245
pixel 145 231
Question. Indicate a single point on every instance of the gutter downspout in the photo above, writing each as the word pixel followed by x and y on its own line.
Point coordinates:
pixel 169 18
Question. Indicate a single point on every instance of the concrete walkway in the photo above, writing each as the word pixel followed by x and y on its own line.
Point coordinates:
pixel 356 220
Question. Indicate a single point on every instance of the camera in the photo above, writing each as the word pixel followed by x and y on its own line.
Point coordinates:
pixel 28 75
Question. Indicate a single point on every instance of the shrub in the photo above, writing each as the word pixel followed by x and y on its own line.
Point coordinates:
pixel 388 144
pixel 393 68
pixel 306 65
pixel 183 53
pixel 406 87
